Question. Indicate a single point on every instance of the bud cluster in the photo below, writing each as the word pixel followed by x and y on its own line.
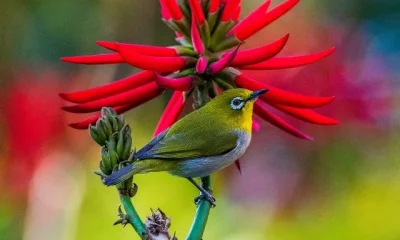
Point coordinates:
pixel 114 137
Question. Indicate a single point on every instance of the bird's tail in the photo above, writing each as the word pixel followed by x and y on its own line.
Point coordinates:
pixel 121 175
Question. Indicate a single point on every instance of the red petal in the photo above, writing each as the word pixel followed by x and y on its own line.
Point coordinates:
pixel 135 97
pixel 214 6
pixel 279 96
pixel 262 112
pixel 108 58
pixel 197 11
pixel 140 49
pixel 255 126
pixel 171 113
pixel 229 10
pixel 158 64
pixel 165 13
pixel 239 168
pixel 181 84
pixel 110 89
pixel 179 35
pixel 307 115
pixel 113 46
pixel 174 9
pixel 259 54
pixel 263 20
pixel 201 65
pixel 196 39
pixel 249 21
pixel 222 63
pixel 236 14
pixel 92 120
pixel 289 62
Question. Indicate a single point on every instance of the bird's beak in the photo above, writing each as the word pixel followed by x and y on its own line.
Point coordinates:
pixel 254 95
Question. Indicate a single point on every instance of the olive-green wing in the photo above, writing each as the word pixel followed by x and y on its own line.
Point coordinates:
pixel 191 142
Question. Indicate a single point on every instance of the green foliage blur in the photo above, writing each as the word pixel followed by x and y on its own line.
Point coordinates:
pixel 343 185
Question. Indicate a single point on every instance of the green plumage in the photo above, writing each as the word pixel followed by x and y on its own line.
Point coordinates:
pixel 202 142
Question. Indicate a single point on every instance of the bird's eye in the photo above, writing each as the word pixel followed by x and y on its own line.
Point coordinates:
pixel 237 103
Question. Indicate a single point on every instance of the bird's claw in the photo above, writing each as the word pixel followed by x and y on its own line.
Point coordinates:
pixel 207 197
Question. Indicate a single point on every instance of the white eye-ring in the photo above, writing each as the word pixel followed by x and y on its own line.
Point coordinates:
pixel 237 103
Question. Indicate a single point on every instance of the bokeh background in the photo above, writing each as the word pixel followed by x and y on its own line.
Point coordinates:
pixel 343 185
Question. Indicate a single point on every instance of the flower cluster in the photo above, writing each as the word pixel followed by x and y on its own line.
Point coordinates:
pixel 114 137
pixel 206 62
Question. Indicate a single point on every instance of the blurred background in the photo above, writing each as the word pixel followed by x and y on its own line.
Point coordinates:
pixel 343 185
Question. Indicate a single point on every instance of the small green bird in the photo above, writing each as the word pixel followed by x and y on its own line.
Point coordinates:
pixel 200 143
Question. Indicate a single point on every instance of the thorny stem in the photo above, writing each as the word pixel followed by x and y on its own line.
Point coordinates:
pixel 134 218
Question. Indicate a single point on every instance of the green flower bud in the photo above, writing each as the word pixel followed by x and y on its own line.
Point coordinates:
pixel 113 157
pixel 127 147
pixel 100 173
pixel 107 126
pixel 106 160
pixel 120 142
pixel 100 130
pixel 107 111
pixel 112 142
pixel 94 134
pixel 103 168
pixel 121 121
pixel 114 122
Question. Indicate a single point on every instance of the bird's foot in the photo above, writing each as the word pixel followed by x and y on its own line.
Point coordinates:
pixel 207 196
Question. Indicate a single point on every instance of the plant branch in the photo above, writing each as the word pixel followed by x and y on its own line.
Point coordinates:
pixel 203 206
pixel 202 212
pixel 133 216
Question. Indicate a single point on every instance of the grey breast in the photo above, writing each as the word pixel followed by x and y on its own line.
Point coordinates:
pixel 204 166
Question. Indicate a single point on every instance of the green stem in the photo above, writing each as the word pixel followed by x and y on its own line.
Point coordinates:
pixel 201 216
pixel 203 206
pixel 134 218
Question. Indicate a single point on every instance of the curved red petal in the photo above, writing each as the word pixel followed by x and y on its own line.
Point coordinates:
pixel 307 115
pixel 108 58
pixel 165 13
pixel 171 113
pixel 181 84
pixel 174 9
pixel 236 13
pixel 224 62
pixel 113 46
pixel 255 126
pixel 279 96
pixel 214 6
pixel 197 11
pixel 140 49
pixel 158 64
pixel 196 39
pixel 201 65
pixel 260 21
pixel 262 112
pixel 134 97
pixel 84 124
pixel 256 55
pixel 229 10
pixel 110 89
pixel 289 62
pixel 249 21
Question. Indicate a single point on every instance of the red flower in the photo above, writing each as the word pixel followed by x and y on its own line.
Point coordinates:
pixel 205 29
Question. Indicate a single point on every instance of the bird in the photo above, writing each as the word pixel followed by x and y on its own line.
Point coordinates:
pixel 199 144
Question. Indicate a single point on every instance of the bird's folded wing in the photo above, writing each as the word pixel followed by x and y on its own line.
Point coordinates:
pixel 191 143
